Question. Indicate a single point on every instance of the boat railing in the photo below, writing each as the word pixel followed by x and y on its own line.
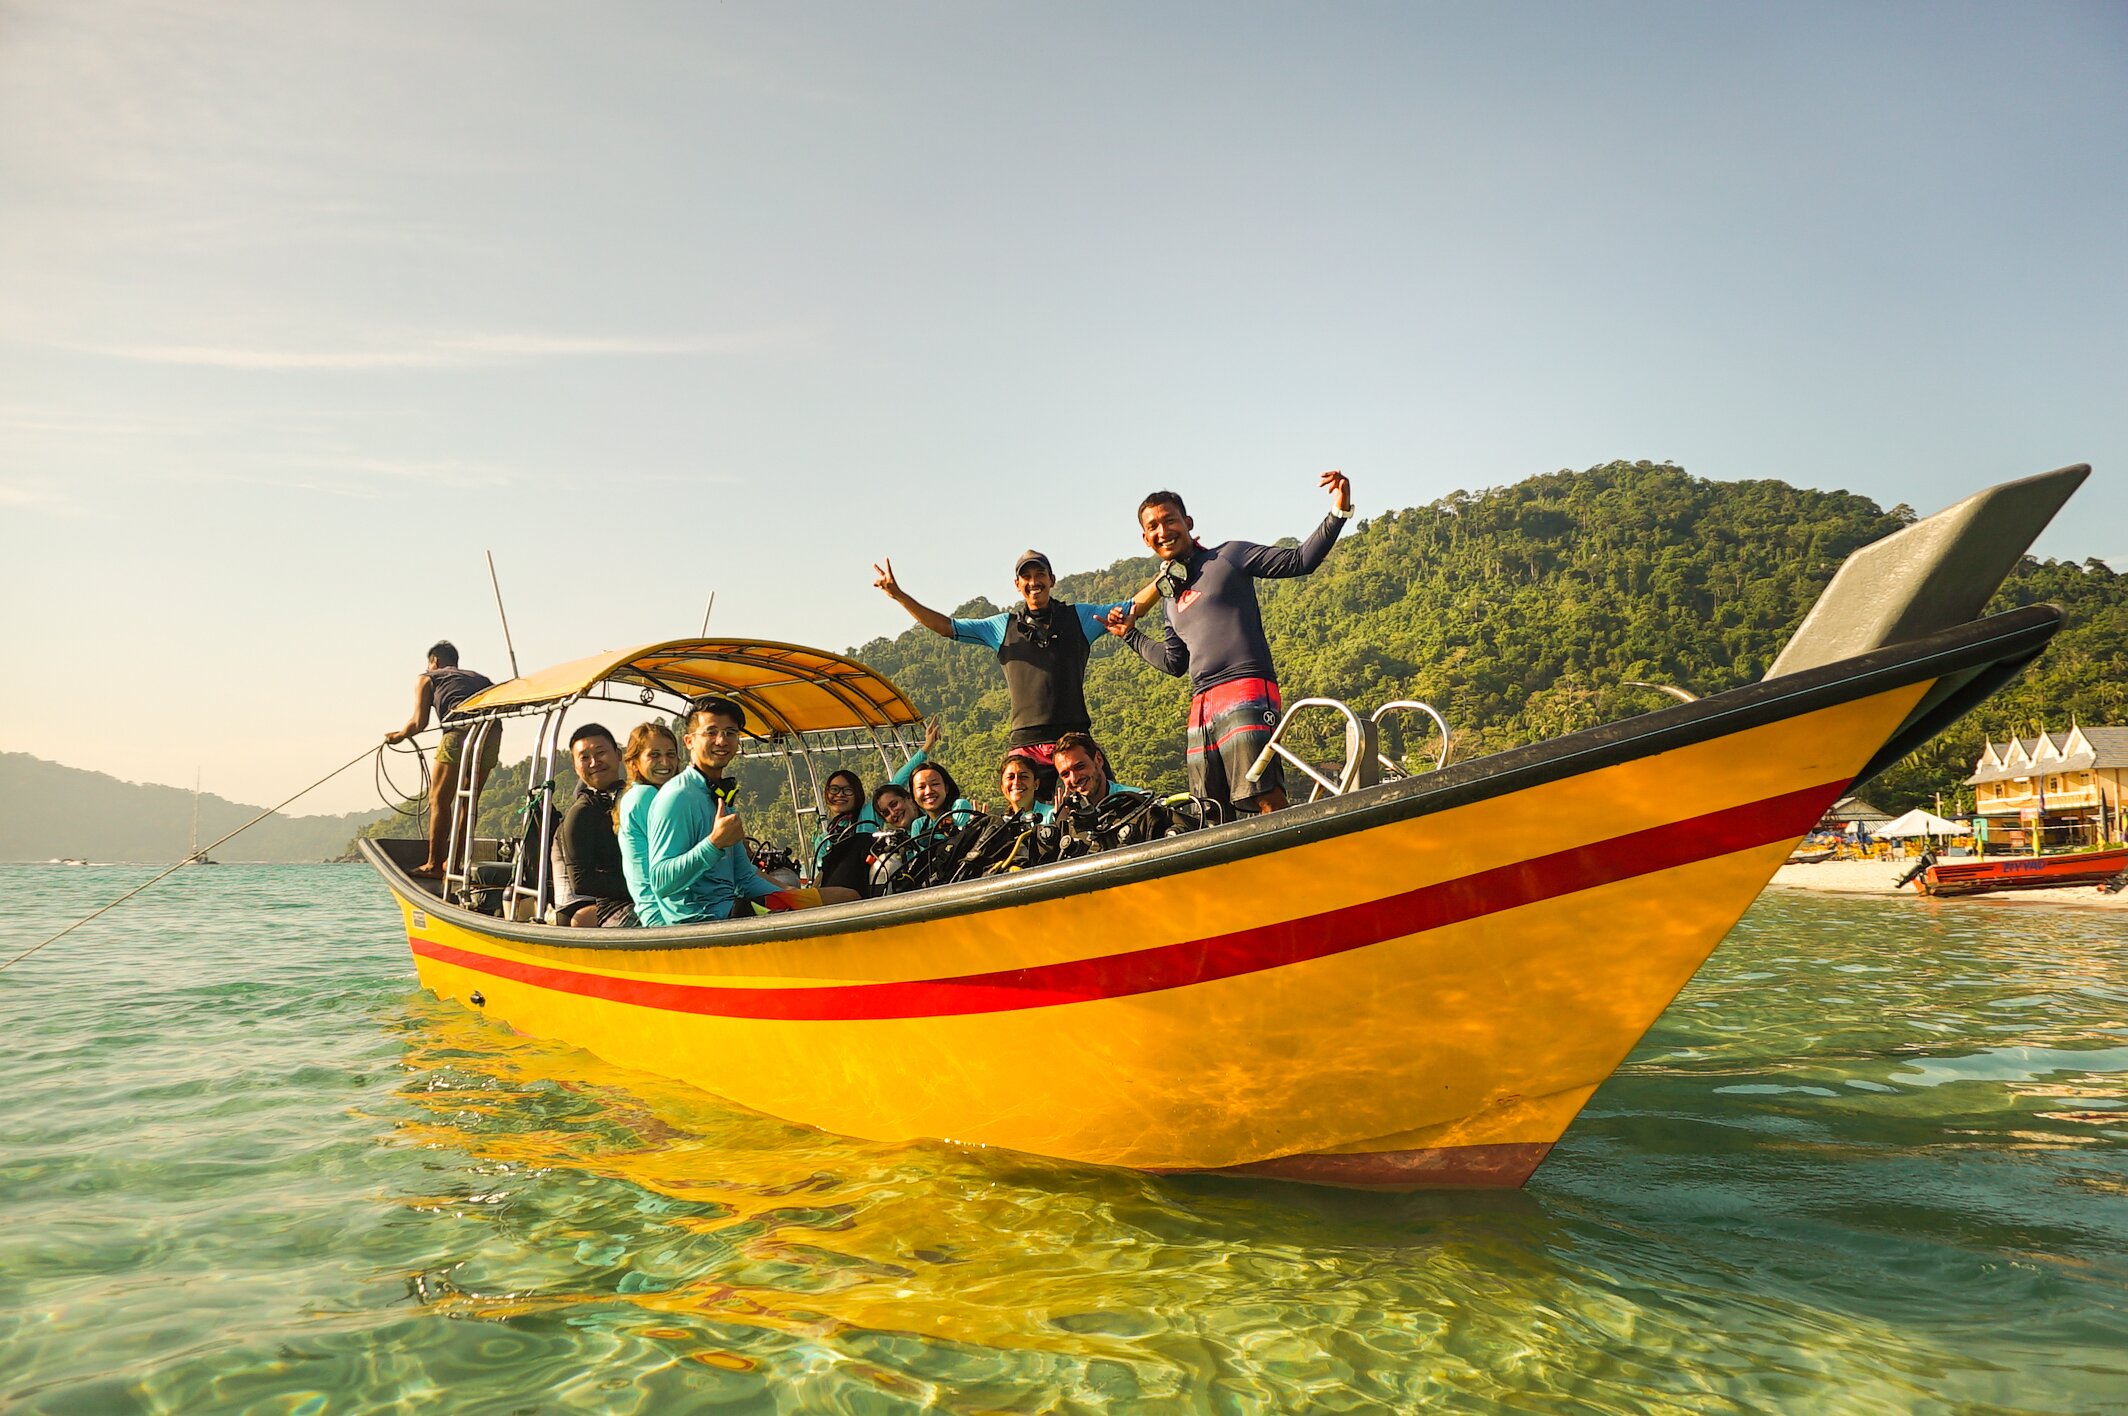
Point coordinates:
pixel 458 850
pixel 1364 764
pixel 1409 705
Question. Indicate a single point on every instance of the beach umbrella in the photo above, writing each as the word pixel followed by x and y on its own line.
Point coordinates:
pixel 1919 822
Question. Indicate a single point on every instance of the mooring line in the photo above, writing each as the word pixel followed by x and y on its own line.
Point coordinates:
pixel 203 850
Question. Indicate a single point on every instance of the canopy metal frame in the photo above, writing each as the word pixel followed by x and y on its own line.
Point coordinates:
pixel 868 725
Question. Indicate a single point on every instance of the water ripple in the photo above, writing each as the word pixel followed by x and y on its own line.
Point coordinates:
pixel 1871 1160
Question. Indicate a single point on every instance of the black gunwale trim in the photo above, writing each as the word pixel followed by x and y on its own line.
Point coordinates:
pixel 2018 635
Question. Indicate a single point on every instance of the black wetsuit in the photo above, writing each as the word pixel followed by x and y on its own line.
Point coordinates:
pixel 587 850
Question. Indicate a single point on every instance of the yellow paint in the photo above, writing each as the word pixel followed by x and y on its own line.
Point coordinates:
pixel 1492 1030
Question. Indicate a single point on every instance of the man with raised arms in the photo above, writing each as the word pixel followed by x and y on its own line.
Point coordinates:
pixel 1215 635
pixel 699 868
pixel 1042 644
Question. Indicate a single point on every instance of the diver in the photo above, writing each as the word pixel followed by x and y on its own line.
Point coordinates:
pixel 1042 644
pixel 1215 635
pixel 1095 814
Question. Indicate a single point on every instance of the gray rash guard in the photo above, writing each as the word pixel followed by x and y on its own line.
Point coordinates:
pixel 1214 629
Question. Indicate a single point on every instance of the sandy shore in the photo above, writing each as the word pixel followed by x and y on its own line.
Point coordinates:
pixel 1875 877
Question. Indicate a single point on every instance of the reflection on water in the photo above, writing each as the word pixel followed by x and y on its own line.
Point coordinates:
pixel 1871 1160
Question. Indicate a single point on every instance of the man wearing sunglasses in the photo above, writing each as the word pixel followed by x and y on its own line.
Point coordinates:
pixel 1215 634
pixel 1042 644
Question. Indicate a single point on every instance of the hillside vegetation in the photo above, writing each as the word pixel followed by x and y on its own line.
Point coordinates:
pixel 1521 613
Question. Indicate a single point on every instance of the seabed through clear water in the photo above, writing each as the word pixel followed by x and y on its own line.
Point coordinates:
pixel 1874 1159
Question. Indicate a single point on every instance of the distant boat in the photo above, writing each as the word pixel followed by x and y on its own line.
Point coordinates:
pixel 196 856
pixel 1812 856
pixel 2043 872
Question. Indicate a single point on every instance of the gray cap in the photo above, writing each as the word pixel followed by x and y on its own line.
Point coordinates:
pixel 1028 558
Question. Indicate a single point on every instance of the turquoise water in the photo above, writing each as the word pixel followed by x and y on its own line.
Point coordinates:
pixel 1875 1159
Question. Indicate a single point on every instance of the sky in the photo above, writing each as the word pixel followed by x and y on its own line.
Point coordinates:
pixel 305 308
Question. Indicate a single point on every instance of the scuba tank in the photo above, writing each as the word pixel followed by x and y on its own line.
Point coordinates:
pixel 890 860
pixel 774 863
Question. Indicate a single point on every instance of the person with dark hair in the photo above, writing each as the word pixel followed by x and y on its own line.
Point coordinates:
pixel 1096 813
pixel 652 758
pixel 845 810
pixel 590 880
pixel 945 808
pixel 699 867
pixel 1215 635
pixel 1019 787
pixel 894 806
pixel 1042 644
pixel 441 687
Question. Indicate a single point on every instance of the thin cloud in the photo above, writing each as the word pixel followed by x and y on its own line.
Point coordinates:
pixel 18 497
pixel 462 351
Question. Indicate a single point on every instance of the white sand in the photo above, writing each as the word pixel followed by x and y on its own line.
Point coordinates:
pixel 1875 877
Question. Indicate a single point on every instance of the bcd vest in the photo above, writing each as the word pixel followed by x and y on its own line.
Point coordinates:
pixel 1047 681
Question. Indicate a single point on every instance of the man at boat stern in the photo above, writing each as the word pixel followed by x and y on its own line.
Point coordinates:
pixel 441 687
pixel 699 866
pixel 1215 634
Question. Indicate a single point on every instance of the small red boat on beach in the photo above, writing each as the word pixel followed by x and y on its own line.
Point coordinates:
pixel 1978 877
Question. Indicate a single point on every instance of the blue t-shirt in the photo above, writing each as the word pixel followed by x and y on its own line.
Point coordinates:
pixel 990 633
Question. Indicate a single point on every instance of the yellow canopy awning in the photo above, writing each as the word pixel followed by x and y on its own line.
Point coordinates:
pixel 784 687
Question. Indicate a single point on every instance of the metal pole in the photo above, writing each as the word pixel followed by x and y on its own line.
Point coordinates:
pixel 705 614
pixel 494 581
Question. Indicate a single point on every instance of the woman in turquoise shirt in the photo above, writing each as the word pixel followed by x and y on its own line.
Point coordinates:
pixel 1019 777
pixel 845 807
pixel 652 757
pixel 938 797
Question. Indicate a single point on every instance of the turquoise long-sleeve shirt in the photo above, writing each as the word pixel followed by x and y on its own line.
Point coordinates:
pixel 634 831
pixel 689 878
pixel 867 819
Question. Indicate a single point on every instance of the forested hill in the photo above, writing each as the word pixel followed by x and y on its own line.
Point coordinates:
pixel 1520 612
pixel 56 811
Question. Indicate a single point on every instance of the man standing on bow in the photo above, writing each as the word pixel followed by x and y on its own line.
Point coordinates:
pixel 1042 644
pixel 1215 635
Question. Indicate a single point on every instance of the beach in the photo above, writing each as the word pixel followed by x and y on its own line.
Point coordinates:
pixel 1877 877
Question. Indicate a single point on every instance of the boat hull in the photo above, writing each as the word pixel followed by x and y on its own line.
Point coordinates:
pixel 1417 989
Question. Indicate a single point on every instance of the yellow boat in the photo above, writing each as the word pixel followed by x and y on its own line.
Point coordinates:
pixel 1407 983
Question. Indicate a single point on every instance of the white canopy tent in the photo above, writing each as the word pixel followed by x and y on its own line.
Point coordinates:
pixel 1920 823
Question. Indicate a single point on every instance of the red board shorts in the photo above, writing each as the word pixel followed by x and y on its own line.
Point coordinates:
pixel 1229 725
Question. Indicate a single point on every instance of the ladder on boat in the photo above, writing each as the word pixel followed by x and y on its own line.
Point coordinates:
pixel 1364 764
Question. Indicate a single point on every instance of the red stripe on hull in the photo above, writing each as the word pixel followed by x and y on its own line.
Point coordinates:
pixel 1197 961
